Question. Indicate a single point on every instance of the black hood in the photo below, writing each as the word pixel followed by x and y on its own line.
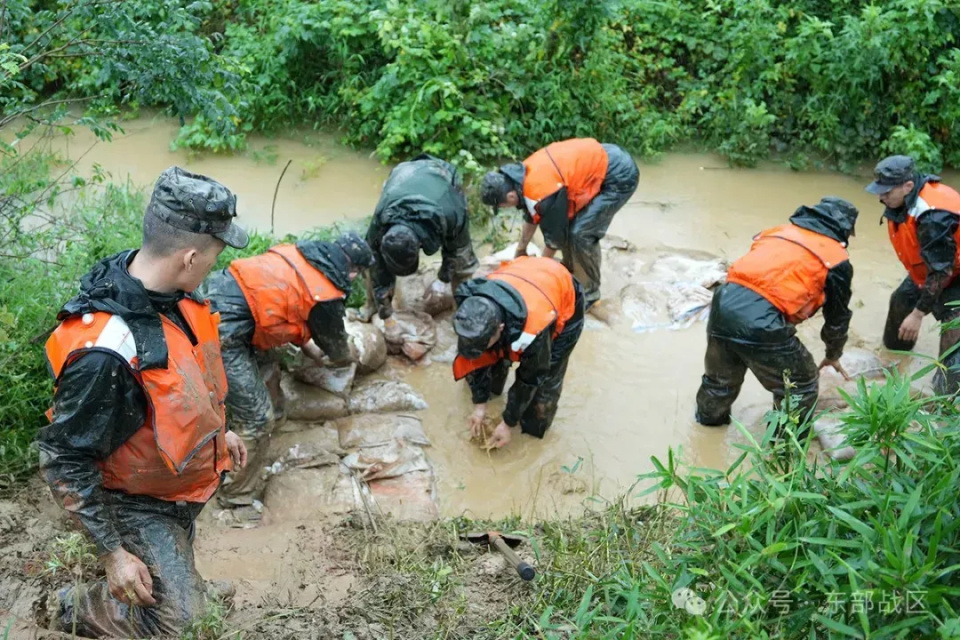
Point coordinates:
pixel 109 287
pixel 828 217
pixel 899 215
pixel 330 260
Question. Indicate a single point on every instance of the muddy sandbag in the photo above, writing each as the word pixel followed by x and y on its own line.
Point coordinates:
pixel 385 396
pixel 378 430
pixel 833 442
pixel 706 273
pixel 411 496
pixel 336 380
pixel 395 459
pixel 369 345
pixel 437 298
pixel 303 445
pixel 857 363
pixel 300 495
pixel 415 335
pixel 306 402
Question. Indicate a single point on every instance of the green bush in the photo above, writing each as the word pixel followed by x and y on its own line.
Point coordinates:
pixel 777 545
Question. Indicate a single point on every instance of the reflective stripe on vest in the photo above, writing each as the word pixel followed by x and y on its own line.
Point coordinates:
pixel 579 164
pixel 281 287
pixel 546 288
pixel 903 236
pixel 180 450
pixel 788 266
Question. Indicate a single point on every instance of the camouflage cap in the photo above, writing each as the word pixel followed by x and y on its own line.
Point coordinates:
pixel 892 172
pixel 356 248
pixel 196 203
pixel 475 323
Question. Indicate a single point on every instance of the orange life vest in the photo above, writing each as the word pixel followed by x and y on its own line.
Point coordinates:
pixel 579 164
pixel 933 195
pixel 281 288
pixel 181 449
pixel 547 291
pixel 788 266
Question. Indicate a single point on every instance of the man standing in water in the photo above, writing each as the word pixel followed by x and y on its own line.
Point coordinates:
pixel 922 220
pixel 572 189
pixel 137 441
pixel 790 272
pixel 422 207
pixel 528 311
pixel 292 294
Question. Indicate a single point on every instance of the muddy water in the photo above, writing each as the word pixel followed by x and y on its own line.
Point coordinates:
pixel 627 396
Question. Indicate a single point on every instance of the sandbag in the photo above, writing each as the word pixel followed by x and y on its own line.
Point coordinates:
pixel 306 402
pixel 834 444
pixel 438 298
pixel 369 345
pixel 302 445
pixel 300 495
pixel 385 396
pixel 336 380
pixel 378 430
pixel 415 335
pixel 411 496
pixel 395 459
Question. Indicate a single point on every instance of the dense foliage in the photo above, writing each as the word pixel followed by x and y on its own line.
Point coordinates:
pixel 844 81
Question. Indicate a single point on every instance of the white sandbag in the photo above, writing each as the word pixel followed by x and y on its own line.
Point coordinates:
pixel 385 396
pixel 395 459
pixel 378 430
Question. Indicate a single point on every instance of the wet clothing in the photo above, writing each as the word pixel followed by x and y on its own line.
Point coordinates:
pixel 574 219
pixel 925 233
pixel 426 195
pixel 798 288
pixel 101 408
pixel 283 287
pixel 747 331
pixel 926 237
pixel 527 291
pixel 160 534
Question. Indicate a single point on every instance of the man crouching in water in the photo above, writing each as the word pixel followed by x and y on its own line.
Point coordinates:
pixel 528 311
pixel 137 442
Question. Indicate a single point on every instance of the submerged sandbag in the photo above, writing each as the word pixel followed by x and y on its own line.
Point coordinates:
pixel 378 430
pixel 416 334
pixel 302 445
pixel 306 402
pixel 369 345
pixel 384 396
pixel 395 459
pixel 336 380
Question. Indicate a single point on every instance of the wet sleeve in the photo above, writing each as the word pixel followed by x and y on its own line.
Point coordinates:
pixel 328 330
pixel 481 384
pixel 97 407
pixel 935 231
pixel 836 309
pixel 531 374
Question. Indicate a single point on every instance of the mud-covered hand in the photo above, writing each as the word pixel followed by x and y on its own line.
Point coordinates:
pixel 476 420
pixel 521 251
pixel 910 327
pixel 238 450
pixel 500 436
pixel 835 364
pixel 128 578
pixel 549 252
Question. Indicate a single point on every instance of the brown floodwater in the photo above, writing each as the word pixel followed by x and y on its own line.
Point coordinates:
pixel 627 396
